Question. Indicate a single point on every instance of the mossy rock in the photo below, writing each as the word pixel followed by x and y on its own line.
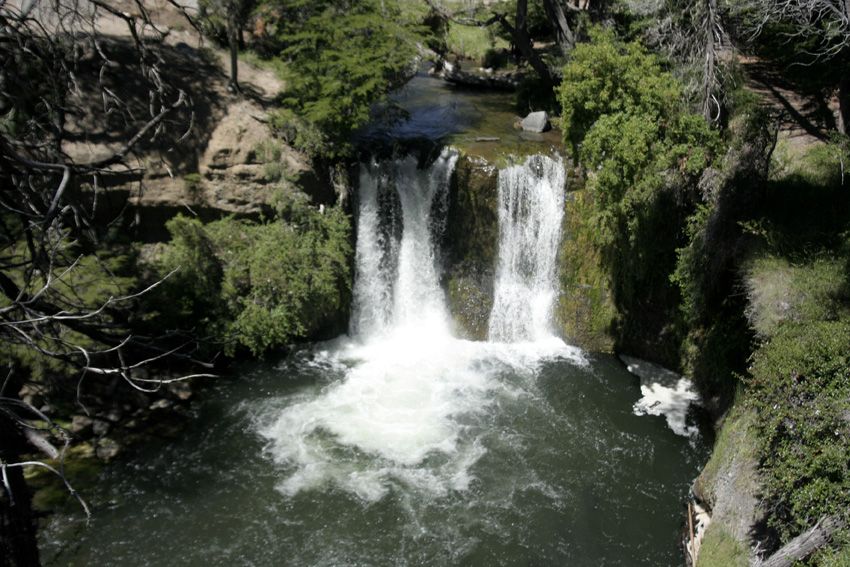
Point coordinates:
pixel 472 244
pixel 472 231
pixel 730 485
pixel 720 549
pixel 585 313
pixel 49 492
pixel 470 302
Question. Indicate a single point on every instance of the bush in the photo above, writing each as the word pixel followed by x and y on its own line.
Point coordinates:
pixel 259 286
pixel 342 58
pixel 624 116
pixel 607 76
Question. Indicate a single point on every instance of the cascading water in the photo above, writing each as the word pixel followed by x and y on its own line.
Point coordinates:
pixel 397 283
pixel 531 208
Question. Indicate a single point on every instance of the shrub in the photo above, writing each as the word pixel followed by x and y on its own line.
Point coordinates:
pixel 624 116
pixel 259 286
pixel 607 76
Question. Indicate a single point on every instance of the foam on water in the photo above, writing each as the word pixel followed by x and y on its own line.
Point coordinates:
pixel 405 408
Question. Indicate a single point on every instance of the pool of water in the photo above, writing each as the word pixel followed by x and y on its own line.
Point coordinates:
pixel 549 465
pixel 406 445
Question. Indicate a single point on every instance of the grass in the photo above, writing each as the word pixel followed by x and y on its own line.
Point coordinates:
pixel 478 44
pixel 275 64
pixel 720 549
pixel 736 440
pixel 780 291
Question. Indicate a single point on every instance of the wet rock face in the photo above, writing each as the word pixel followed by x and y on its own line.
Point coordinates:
pixel 472 237
pixel 536 122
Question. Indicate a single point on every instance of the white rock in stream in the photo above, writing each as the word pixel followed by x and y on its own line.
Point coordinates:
pixel 663 393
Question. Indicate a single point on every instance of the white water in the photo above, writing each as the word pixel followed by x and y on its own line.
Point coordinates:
pixel 531 209
pixel 398 416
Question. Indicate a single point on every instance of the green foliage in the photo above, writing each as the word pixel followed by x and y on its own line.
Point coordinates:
pixel 837 555
pixel 270 154
pixel 475 43
pixel 800 387
pixel 259 285
pixel 342 57
pixel 779 291
pixel 87 279
pixel 298 132
pixel 624 116
pixel 606 76
pixel 585 311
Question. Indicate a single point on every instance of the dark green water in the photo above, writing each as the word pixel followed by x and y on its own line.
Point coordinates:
pixel 565 474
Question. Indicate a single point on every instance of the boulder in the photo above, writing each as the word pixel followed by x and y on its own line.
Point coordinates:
pixel 536 122
pixel 107 449
pixel 81 425
pixel 100 427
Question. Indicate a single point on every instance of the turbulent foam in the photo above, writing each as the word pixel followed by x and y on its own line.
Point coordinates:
pixel 673 402
pixel 397 414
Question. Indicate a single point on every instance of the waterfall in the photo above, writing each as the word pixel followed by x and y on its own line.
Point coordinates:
pixel 397 282
pixel 399 415
pixel 531 208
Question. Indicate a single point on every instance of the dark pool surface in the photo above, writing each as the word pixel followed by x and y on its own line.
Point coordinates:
pixel 563 473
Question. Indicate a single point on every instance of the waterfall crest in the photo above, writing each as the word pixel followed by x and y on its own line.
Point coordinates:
pixel 531 209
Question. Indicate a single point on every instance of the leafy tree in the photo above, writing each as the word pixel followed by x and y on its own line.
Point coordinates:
pixel 341 58
pixel 625 118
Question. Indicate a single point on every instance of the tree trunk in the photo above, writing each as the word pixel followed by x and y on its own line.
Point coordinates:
pixel 709 76
pixel 566 38
pixel 804 544
pixel 524 43
pixel 844 104
pixel 18 543
pixel 233 41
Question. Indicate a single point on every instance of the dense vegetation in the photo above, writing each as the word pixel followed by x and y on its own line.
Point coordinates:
pixel 684 216
pixel 258 286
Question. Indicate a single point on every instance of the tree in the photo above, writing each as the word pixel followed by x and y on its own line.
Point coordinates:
pixel 232 15
pixel 517 30
pixel 341 58
pixel 61 81
pixel 820 29
pixel 693 33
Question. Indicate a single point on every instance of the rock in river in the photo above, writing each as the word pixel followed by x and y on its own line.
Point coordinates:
pixel 536 122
